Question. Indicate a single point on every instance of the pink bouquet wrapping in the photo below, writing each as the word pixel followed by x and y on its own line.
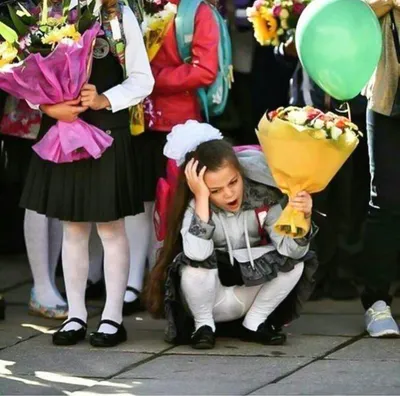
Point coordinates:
pixel 56 78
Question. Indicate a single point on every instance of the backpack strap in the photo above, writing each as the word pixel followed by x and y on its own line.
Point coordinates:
pixel 261 215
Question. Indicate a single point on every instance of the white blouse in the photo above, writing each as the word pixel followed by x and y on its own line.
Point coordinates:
pixel 140 81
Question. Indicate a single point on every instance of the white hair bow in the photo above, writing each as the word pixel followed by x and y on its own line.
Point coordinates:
pixel 185 138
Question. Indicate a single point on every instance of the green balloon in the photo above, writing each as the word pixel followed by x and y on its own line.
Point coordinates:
pixel 339 43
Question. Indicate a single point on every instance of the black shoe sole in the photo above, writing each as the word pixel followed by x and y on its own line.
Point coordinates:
pixel 66 342
pixel 203 345
pixel 106 344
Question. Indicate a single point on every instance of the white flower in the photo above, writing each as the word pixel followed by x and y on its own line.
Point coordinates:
pixel 330 124
pixel 297 117
pixel 319 124
pixel 336 133
pixel 185 138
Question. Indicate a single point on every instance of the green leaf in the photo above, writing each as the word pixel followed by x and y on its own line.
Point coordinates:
pixel 20 27
pixel 8 34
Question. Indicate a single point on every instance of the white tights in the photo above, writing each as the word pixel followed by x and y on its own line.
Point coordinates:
pixel 210 302
pixel 75 253
pixel 140 231
pixel 43 238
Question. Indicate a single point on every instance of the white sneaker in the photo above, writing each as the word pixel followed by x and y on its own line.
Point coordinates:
pixel 379 321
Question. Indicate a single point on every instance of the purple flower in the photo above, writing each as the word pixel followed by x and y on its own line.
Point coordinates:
pixel 73 16
pixel 298 8
pixel 276 11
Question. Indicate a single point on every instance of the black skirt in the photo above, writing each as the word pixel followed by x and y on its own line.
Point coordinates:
pixel 90 190
pixel 148 149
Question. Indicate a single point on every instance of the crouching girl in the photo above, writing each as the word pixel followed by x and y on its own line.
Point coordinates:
pixel 222 261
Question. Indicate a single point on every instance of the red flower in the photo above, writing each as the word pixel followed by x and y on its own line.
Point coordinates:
pixel 272 114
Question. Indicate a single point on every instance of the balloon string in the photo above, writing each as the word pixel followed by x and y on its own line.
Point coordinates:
pixel 345 108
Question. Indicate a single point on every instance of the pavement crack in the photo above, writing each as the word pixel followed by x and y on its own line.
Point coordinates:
pixel 316 359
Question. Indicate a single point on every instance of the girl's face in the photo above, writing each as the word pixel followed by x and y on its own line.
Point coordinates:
pixel 226 188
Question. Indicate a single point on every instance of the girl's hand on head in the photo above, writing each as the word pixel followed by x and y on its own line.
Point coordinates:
pixel 303 203
pixel 195 180
pixel 90 98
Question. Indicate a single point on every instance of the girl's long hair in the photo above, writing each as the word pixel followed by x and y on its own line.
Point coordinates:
pixel 214 155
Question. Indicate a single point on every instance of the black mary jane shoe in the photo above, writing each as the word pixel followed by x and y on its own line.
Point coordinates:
pixel 265 335
pixel 105 340
pixel 203 338
pixel 70 337
pixel 133 307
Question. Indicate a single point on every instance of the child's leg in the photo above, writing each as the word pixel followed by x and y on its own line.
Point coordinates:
pixel 270 296
pixel 200 289
pixel 116 270
pixel 36 230
pixel 95 257
pixel 75 254
pixel 55 244
pixel 138 230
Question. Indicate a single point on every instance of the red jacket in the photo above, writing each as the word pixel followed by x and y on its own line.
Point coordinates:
pixel 174 99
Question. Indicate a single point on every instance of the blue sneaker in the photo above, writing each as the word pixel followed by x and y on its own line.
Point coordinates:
pixel 58 312
pixel 379 321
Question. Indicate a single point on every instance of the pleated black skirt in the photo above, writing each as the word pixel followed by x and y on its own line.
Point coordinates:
pixel 148 149
pixel 101 190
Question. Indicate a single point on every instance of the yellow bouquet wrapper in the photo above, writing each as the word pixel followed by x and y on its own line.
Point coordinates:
pixel 301 159
pixel 153 39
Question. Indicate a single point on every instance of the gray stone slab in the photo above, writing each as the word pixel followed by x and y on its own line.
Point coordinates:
pixel 329 377
pixel 28 385
pixel 328 325
pixel 67 361
pixel 20 326
pixel 370 349
pixel 206 375
pixel 13 270
pixel 296 346
pixel 144 321
pixel 149 342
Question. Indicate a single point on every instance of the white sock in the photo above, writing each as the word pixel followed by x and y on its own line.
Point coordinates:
pixel 270 296
pixel 36 230
pixel 75 254
pixel 138 229
pixel 95 257
pixel 199 287
pixel 116 271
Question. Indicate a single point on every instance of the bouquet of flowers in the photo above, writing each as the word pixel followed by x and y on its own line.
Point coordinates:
pixel 304 148
pixel 46 59
pixel 157 18
pixel 275 20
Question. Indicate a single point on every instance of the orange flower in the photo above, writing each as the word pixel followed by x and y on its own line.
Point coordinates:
pixel 265 28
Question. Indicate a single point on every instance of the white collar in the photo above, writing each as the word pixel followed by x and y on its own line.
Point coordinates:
pixel 97 6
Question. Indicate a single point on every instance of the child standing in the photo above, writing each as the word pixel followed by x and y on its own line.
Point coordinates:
pixel 96 191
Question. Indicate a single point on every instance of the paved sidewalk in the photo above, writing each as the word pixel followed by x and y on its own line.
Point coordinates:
pixel 326 353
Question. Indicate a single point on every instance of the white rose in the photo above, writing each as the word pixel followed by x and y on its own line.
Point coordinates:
pixel 336 133
pixel 319 124
pixel 330 124
pixel 297 117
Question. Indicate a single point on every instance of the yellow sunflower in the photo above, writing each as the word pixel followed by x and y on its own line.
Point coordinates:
pixel 57 34
pixel 265 28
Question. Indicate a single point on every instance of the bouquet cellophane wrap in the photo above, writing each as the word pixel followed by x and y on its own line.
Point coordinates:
pixel 153 39
pixel 301 162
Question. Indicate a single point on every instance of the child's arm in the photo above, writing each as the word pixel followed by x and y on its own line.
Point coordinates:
pixel 203 68
pixel 139 83
pixel 287 246
pixel 197 236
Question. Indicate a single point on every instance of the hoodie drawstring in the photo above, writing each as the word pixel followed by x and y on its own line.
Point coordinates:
pixel 246 237
pixel 228 241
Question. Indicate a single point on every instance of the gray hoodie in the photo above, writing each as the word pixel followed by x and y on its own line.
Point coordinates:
pixel 238 233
